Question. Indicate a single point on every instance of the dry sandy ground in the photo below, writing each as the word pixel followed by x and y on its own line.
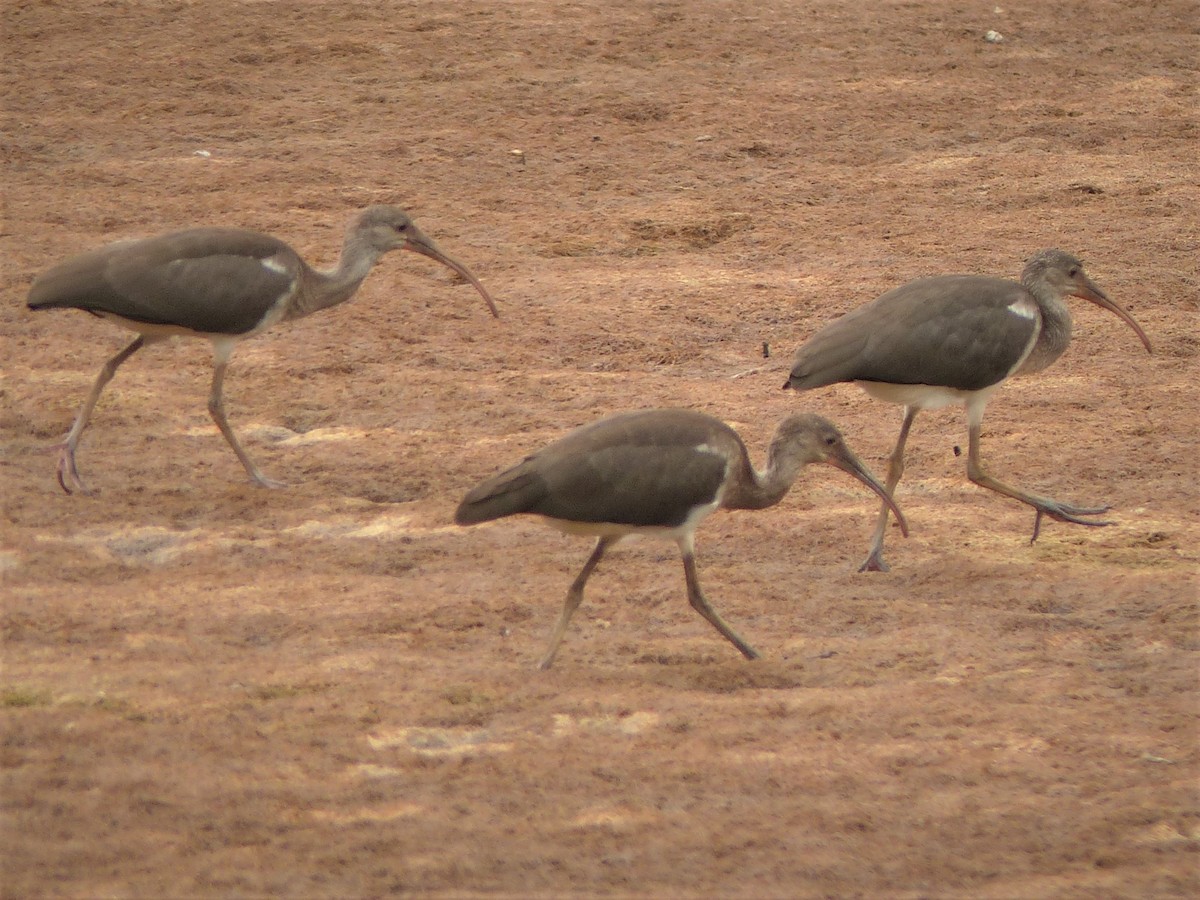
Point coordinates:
pixel 215 690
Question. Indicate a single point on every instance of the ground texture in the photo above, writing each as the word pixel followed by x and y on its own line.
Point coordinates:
pixel 216 690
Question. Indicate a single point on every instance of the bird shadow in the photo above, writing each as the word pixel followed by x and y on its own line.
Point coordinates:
pixel 709 673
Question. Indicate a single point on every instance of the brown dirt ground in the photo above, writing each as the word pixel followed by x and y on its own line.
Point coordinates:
pixel 215 690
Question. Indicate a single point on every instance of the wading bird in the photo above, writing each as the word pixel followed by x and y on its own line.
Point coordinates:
pixel 656 472
pixel 955 339
pixel 223 284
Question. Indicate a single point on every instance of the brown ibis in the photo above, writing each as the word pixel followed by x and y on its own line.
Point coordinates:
pixel 955 339
pixel 656 472
pixel 223 284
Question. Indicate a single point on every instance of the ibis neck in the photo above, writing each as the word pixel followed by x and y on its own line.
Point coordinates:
pixel 1055 333
pixel 759 490
pixel 323 289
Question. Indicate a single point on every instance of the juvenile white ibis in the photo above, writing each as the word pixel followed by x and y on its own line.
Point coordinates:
pixel 656 472
pixel 956 339
pixel 223 284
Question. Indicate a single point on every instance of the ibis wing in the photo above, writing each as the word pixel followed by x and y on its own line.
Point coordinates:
pixel 514 491
pixel 645 468
pixel 960 331
pixel 632 485
pixel 210 280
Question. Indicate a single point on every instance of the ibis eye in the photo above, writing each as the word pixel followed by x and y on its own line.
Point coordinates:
pixel 1074 271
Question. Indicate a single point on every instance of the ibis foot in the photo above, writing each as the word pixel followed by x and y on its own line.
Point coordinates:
pixel 874 562
pixel 69 477
pixel 1064 512
pixel 68 473
pixel 1045 506
pixel 263 481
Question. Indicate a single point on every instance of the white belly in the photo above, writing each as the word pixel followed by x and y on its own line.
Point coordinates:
pixel 151 331
pixel 610 529
pixel 924 396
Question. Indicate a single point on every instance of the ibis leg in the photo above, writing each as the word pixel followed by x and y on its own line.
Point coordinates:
pixel 216 409
pixel 68 473
pixel 874 561
pixel 574 596
pixel 1063 512
pixel 701 605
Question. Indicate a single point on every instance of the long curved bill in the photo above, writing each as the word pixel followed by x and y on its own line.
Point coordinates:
pixel 419 243
pixel 842 458
pixel 1088 291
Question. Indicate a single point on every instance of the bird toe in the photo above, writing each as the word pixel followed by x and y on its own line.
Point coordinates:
pixel 68 475
pixel 874 563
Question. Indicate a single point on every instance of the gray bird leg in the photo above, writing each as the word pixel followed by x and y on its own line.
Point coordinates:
pixel 701 605
pixel 874 561
pixel 574 596
pixel 1063 512
pixel 68 473
pixel 216 409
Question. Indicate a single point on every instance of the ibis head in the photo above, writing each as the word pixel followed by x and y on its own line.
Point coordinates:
pixel 1063 275
pixel 386 228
